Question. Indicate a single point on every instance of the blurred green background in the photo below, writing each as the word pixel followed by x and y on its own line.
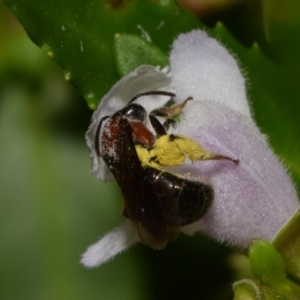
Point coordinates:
pixel 52 209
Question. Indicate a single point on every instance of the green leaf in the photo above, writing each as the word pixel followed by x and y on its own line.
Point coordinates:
pixel 269 268
pixel 266 263
pixel 251 289
pixel 132 51
pixel 247 289
pixel 79 35
pixel 287 242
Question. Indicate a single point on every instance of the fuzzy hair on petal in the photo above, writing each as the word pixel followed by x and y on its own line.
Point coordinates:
pixel 110 245
pixel 252 199
pixel 204 69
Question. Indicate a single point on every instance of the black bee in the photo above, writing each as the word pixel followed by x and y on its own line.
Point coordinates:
pixel 157 202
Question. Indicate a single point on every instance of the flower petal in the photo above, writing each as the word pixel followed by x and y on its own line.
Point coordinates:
pixel 252 199
pixel 110 245
pixel 204 69
pixel 144 78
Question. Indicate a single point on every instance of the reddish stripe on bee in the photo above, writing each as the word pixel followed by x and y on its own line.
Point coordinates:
pixel 142 135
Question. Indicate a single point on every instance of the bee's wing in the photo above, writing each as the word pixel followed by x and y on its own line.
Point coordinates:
pixel 151 217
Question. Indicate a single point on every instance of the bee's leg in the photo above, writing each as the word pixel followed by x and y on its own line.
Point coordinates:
pixel 167 113
pixel 157 126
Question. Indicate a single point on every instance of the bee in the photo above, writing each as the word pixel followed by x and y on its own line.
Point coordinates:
pixel 156 202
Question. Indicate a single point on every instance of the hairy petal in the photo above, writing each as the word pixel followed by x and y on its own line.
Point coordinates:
pixel 204 69
pixel 142 79
pixel 252 199
pixel 110 245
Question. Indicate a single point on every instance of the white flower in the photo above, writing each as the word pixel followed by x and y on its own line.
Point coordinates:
pixel 251 200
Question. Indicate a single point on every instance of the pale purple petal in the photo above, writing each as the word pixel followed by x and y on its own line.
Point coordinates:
pixel 252 199
pixel 202 68
pixel 110 245
pixel 142 79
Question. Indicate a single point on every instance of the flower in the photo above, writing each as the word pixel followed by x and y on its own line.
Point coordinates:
pixel 252 199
